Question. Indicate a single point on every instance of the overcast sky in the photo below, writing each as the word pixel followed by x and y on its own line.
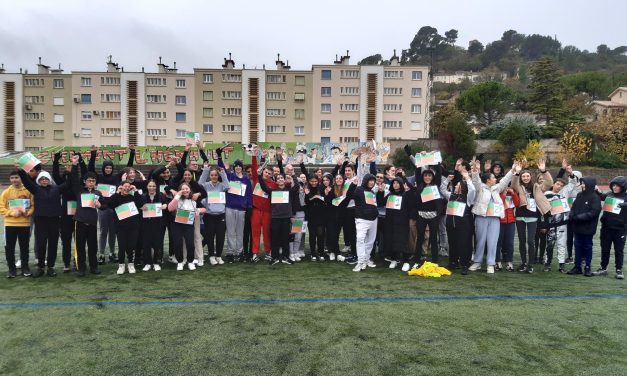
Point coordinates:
pixel 80 34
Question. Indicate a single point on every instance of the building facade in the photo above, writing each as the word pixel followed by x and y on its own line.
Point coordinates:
pixel 329 103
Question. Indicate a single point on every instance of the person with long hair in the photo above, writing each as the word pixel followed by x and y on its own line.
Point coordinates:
pixel 215 205
pixel 153 226
pixel 396 224
pixel 187 211
pixel 327 186
pixel 261 216
pixel 314 215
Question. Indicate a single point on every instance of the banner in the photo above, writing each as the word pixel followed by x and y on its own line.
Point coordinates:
pixel 192 137
pixel 28 161
pixel 126 210
pixel 428 159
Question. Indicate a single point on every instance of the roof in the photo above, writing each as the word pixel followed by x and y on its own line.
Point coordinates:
pixel 609 104
pixel 620 88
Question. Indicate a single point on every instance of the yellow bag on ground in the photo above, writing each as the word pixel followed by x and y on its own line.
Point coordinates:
pixel 429 269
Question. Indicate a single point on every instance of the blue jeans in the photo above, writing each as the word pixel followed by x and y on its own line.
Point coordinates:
pixel 583 249
pixel 505 245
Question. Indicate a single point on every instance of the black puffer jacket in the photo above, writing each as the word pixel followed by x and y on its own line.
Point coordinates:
pixel 586 208
pixel 611 220
pixel 362 209
pixel 398 217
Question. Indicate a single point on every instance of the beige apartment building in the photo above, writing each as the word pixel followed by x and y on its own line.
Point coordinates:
pixel 334 103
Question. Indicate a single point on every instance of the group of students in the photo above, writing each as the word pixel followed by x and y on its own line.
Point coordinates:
pixel 473 210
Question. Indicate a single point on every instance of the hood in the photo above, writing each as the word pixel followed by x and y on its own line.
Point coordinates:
pixel 401 181
pixel 425 172
pixel 105 164
pixel 620 181
pixel 500 164
pixel 590 182
pixel 578 174
pixel 44 174
pixel 366 179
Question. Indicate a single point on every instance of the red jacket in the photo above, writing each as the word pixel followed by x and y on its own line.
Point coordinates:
pixel 509 212
pixel 259 202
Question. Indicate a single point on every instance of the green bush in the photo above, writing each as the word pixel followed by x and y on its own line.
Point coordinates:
pixel 604 159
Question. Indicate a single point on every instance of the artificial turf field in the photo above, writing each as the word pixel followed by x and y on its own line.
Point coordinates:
pixel 312 319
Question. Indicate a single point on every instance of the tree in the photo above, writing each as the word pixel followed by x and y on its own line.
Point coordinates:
pixel 487 102
pixel 420 48
pixel 611 131
pixel 546 95
pixel 456 136
pixel 595 84
pixel 513 137
pixel 450 36
pixel 535 46
pixel 574 144
pixel 442 117
pixel 475 47
pixel 371 60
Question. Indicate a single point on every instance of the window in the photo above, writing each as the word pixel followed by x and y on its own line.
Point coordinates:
pixel 155 98
pixel 325 124
pixel 33 82
pixel 349 139
pixel 33 133
pixel 58 101
pixel 392 91
pixel 416 92
pixel 299 130
pixel 207 95
pixel 276 78
pixel 57 83
pixel 231 111
pixel 349 107
pixel 325 91
pixel 349 124
pixel 35 99
pixel 416 126
pixel 353 90
pixel 231 128
pixel 58 118
pixel 299 113
pixel 180 84
pixel 155 81
pixel 86 115
pixel 393 74
pixel 275 129
pixel 181 133
pixel 325 107
pixel 416 75
pixel 349 73
pixel 392 107
pixel 207 78
pixel 207 128
pixel 392 124
pixel 34 116
pixel 181 116
pixel 325 74
pixel 275 95
pixel 275 112
pixel 58 134
pixel 85 98
pixel 181 100
pixel 110 81
pixel 155 115
pixel 85 81
pixel 416 109
pixel 110 132
pixel 299 81
pixel 110 98
pixel 156 132
pixel 85 132
pixel 113 115
pixel 231 94
pixel 207 112
pixel 231 77
pixel 299 97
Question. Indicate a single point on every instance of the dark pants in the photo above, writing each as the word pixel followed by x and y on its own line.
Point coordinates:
pixel 46 239
pixel 350 233
pixel 616 237
pixel 396 239
pixel 380 240
pixel 421 226
pixel 153 231
pixel 583 249
pixel 526 240
pixel 215 228
pixel 127 243
pixel 183 233
pixel 168 225
pixel 540 243
pixel 570 235
pixel 86 237
pixel 106 219
pixel 316 237
pixel 280 229
pixel 459 241
pixel 12 235
pixel 67 225
pixel 334 227
pixel 505 245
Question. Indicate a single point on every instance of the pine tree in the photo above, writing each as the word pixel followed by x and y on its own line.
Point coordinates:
pixel 546 96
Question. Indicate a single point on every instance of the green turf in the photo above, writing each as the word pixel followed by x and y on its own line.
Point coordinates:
pixel 507 337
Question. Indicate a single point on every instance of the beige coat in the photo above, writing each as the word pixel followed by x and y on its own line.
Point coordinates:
pixel 538 191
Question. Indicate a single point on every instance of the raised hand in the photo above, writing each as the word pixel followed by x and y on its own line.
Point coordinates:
pixel 74 159
pixel 542 164
pixel 93 148
pixel 516 167
pixel 487 165
pixel 195 196
pixel 564 163
pixel 464 174
pixel 524 163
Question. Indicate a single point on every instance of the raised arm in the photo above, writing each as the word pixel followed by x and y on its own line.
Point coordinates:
pixel 91 167
pixel 56 173
pixel 203 177
pixel 131 157
pixel 27 181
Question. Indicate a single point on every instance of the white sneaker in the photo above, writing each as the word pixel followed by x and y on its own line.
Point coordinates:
pixel 393 264
pixel 331 256
pixel 475 266
pixel 406 267
pixel 179 266
pixel 191 266
pixel 364 266
pixel 297 258
pixel 201 263
pixel 292 259
pixel 121 268
pixel 213 261
pixel 18 264
pixel 131 268
pixel 219 260
pixel 357 267
pixel 499 265
pixel 146 267
pixel 371 264
pixel 340 258
pixel 196 261
pixel 172 260
pixel 157 267
pixel 490 269
pixel 314 258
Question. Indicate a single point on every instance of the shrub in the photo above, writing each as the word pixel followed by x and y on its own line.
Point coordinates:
pixel 605 159
pixel 575 144
pixel 532 152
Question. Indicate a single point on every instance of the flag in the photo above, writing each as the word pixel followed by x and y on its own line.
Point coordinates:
pixel 394 202
pixel 369 197
pixel 571 201
pixel 126 210
pixel 28 161
pixel 185 217
pixel 509 202
pixel 338 200
pixel 280 197
pixel 216 197
pixel 611 205
pixel 259 192
pixel 298 226
pixel 345 188
pixel 455 208
pixel 495 210
pixel 88 200
pixel 71 207
pixel 20 204
pixel 428 159
pixel 106 189
pixel 162 188
pixel 559 206
pixel 152 211
pixel 430 193
pixel 192 137
pixel 237 188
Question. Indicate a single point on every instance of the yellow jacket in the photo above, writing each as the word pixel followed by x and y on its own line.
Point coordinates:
pixel 11 217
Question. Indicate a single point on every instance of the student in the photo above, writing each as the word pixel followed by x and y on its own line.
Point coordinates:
pixel 214 220
pixel 314 215
pixel 47 215
pixel 366 215
pixel 570 192
pixel 153 228
pixel 585 215
pixel 193 166
pixel 86 218
pixel 261 215
pixel 396 225
pixel 16 223
pixel 183 230
pixel 553 227
pixel 614 228
pixel 282 213
pixel 488 208
pixel 337 201
pixel 507 230
pixel 429 212
pixel 126 203
pixel 163 177
pixel 327 186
